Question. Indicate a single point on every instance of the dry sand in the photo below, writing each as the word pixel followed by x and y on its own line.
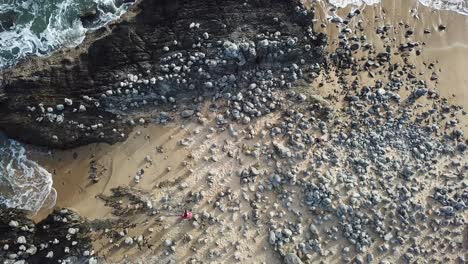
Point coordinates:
pixel 448 48
pixel 178 169
pixel 171 168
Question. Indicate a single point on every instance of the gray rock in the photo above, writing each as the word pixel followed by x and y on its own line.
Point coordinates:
pixel 272 237
pixel 388 236
pixel 275 180
pixel 313 229
pixel 128 240
pixel 68 102
pixel 337 20
pixel 13 223
pixel 354 46
pixel 282 150
pixel 187 113
pixel 168 243
pixel 420 92
pixel 21 240
pixel 292 258
pixel 82 109
pixel 407 172
pixel 60 107
pixel 287 232
pixel 408 256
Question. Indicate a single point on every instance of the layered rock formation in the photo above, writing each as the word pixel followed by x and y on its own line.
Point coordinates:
pixel 63 235
pixel 69 99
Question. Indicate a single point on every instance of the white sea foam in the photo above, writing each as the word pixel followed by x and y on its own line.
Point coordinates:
pixel 344 3
pixel 459 6
pixel 43 26
pixel 24 184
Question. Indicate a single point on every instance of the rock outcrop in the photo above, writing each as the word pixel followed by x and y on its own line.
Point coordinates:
pixel 63 235
pixel 70 98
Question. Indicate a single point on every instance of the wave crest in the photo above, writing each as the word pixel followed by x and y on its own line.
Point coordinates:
pixel 24 184
pixel 459 6
pixel 39 27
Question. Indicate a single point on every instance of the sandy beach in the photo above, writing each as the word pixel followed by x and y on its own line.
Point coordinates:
pixel 447 48
pixel 197 165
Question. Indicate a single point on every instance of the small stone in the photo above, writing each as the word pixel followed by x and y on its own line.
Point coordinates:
pixel 72 231
pixel 337 20
pixel 187 113
pixel 60 107
pixel 272 237
pixel 13 223
pixel 291 258
pixel 32 250
pixel 148 159
pixel 354 46
pixel 21 240
pixel 388 236
pixel 82 109
pixel 408 256
pixel 128 240
pixel 287 232
pixel 420 92
pixel 168 242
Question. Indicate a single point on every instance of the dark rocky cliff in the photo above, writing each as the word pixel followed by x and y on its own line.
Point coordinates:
pixel 76 96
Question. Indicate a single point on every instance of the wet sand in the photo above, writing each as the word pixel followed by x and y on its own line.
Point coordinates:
pixel 447 49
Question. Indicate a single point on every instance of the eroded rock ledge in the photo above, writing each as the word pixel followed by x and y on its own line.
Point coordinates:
pixel 63 236
pixel 175 51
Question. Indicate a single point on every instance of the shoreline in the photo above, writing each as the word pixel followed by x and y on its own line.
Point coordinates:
pixel 366 162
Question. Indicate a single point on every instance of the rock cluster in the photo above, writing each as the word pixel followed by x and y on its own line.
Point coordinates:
pixel 140 74
pixel 63 237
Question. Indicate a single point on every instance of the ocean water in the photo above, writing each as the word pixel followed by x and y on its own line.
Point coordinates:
pixel 39 27
pixel 23 183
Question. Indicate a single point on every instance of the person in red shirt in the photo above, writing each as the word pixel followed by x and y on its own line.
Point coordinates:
pixel 187 215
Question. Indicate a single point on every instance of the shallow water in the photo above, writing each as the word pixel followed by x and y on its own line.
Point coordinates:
pixel 24 184
pixel 39 27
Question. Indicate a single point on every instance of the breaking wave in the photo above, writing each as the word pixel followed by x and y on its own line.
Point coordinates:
pixel 459 6
pixel 24 184
pixel 38 27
